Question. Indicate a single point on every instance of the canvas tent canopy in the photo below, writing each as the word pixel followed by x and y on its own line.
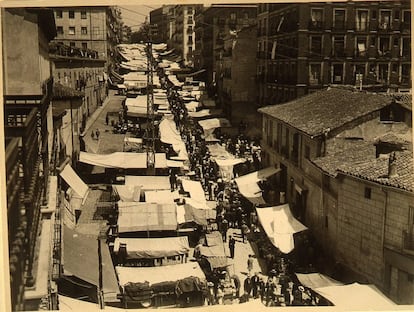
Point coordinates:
pixel 149 248
pixel 141 217
pixel 161 196
pixel 128 193
pixel 356 297
pixel 124 160
pixel 199 216
pixel 80 259
pixel 170 135
pixel 159 274
pixel 75 182
pixel 316 280
pixel 280 225
pixel 148 183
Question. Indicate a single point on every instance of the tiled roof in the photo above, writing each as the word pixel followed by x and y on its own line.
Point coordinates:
pixel 404 99
pixel 377 171
pixel 326 110
pixel 63 92
pixel 352 154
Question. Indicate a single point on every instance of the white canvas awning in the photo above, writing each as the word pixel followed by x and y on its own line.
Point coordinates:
pixel 196 191
pixel 356 297
pixel 316 280
pixel 141 217
pixel 124 160
pixel 213 123
pixel 256 176
pixel 74 181
pixel 161 196
pixel 148 248
pixel 159 274
pixel 205 113
pixel 250 190
pixel 170 135
pixel 280 225
pixel 149 183
pixel 128 193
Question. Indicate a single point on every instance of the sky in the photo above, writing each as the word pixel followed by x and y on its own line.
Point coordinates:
pixel 134 15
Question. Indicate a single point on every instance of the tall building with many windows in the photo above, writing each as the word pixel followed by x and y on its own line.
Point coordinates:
pixel 89 28
pixel 304 47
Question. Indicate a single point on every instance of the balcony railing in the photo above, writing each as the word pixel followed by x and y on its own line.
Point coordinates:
pixel 315 25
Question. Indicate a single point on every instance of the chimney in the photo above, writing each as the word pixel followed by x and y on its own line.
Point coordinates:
pixel 392 170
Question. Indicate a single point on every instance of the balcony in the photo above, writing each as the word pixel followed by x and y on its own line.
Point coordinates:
pixel 383 26
pixel 315 25
pixel 361 26
pixel 408 242
pixel 338 26
pixel 405 26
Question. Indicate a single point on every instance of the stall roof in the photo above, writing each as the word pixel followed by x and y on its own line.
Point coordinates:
pixel 128 193
pixel 125 160
pixel 256 176
pixel 80 259
pixel 161 196
pixel 199 216
pixel 356 297
pixel 213 123
pixel 214 238
pixel 74 181
pixel 196 191
pixel 280 225
pixel 316 280
pixel 149 182
pixel 148 248
pixel 159 274
pixel 141 217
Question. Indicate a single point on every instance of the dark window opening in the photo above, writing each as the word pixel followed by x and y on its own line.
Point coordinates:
pixel 71 14
pixel 367 193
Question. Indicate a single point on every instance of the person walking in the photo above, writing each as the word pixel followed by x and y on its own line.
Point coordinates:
pixel 244 231
pixel 255 285
pixel 232 244
pixel 250 264
pixel 224 228
pixel 93 135
pixel 97 133
pixel 247 286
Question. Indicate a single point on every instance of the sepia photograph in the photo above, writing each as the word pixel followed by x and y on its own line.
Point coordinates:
pixel 206 156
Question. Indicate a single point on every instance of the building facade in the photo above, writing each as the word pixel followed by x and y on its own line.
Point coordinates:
pixel 344 138
pixel 236 76
pixel 306 47
pixel 183 40
pixel 28 120
pixel 212 25
pixel 159 18
pixel 90 28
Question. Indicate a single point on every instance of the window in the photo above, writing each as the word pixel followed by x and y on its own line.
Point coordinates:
pixel 337 73
pixel 359 73
pixel 374 14
pixel 190 29
pixel 71 14
pixel 361 20
pixel 394 67
pixel 84 45
pixel 367 192
pixel 383 73
pixel 384 46
pixel 396 15
pixel 407 17
pixel 59 14
pixel 338 45
pixel 314 74
pixel 316 44
pixel 233 16
pixel 372 41
pixel 396 42
pixel 190 19
pixel 361 46
pixel 190 10
pixel 316 18
pixel 385 19
pixel 84 30
pixel 339 18
pixel 59 30
pixel 405 73
pixel 72 44
pixel 83 14
pixel 406 47
pixel 190 39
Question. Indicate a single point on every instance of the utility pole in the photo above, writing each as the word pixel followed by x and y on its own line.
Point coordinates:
pixel 150 131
